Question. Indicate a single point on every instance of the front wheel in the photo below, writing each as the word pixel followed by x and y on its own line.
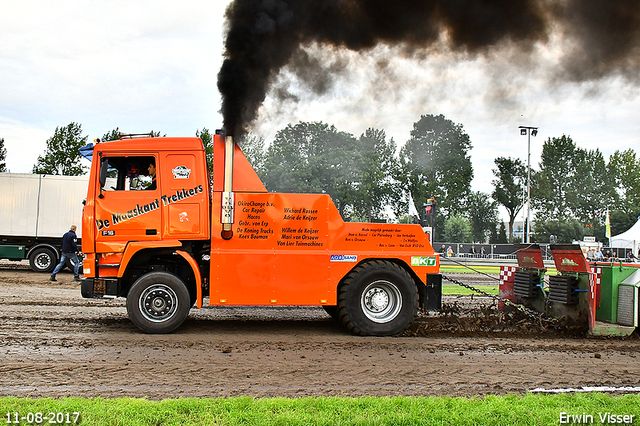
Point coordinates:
pixel 377 298
pixel 158 302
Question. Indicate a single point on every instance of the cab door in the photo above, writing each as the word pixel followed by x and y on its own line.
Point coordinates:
pixel 128 207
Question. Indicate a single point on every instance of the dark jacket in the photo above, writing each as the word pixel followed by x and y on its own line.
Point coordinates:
pixel 69 242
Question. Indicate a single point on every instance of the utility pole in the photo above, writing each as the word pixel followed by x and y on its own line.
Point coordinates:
pixel 528 131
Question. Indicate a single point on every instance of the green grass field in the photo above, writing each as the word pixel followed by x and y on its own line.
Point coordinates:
pixel 531 409
pixel 453 289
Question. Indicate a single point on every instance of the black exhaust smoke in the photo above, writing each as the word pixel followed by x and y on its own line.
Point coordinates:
pixel 265 35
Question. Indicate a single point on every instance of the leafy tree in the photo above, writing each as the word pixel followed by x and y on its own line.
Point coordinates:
pixel 592 187
pixel 571 183
pixel 458 228
pixel 3 156
pixel 620 222
pixel 435 163
pixel 552 188
pixel 62 156
pixel 624 169
pixel 405 218
pixel 253 148
pixel 375 165
pixel 313 157
pixel 499 237
pixel 483 215
pixel 511 176
pixel 114 135
pixel 565 229
pixel 207 143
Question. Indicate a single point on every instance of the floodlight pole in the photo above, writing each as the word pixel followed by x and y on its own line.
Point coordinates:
pixel 526 130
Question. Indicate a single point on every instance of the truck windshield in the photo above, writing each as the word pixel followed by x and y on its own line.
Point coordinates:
pixel 129 173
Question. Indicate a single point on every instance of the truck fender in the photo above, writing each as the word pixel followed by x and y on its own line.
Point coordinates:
pixel 132 248
pixel 196 272
pixel 51 247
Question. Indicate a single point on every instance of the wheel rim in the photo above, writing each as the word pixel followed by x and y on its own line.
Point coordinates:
pixel 42 261
pixel 381 301
pixel 158 303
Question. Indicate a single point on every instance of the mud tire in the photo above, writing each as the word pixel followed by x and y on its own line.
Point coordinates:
pixel 158 303
pixel 377 298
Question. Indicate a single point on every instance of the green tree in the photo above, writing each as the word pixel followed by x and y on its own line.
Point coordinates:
pixel 375 164
pixel 62 156
pixel 620 222
pixel 592 187
pixel 499 237
pixel 113 135
pixel 253 148
pixel 116 134
pixel 435 163
pixel 207 143
pixel 457 228
pixel 483 215
pixel 571 183
pixel 566 230
pixel 3 156
pixel 624 169
pixel 313 157
pixel 511 177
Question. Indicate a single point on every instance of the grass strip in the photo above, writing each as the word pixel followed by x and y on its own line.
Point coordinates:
pixel 456 290
pixel 530 409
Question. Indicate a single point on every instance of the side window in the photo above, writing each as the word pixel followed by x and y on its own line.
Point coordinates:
pixel 130 174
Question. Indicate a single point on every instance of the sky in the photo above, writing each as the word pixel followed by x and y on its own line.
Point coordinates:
pixel 152 65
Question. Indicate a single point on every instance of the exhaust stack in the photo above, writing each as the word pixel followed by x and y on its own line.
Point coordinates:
pixel 227 195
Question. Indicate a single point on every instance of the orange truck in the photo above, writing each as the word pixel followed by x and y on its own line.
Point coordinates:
pixel 193 237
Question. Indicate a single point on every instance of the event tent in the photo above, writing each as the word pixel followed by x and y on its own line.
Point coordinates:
pixel 630 239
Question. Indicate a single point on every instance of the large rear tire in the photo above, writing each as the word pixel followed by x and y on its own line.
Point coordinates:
pixel 158 303
pixel 43 260
pixel 377 298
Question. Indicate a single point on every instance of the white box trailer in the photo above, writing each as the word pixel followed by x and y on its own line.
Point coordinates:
pixel 35 211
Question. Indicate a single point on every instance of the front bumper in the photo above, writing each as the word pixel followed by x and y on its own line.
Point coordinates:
pixel 97 288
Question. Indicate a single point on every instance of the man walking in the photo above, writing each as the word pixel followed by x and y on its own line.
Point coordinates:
pixel 69 250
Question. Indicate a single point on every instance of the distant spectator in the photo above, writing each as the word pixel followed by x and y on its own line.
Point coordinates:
pixel 473 252
pixel 590 254
pixel 630 256
pixel 482 252
pixel 449 251
pixel 443 250
pixel 598 255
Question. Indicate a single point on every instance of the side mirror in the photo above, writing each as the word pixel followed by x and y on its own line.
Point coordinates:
pixel 104 166
pixel 103 172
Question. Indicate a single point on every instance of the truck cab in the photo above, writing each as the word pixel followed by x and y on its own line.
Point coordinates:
pixel 222 238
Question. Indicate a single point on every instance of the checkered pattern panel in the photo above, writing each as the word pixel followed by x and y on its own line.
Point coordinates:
pixel 594 278
pixel 507 273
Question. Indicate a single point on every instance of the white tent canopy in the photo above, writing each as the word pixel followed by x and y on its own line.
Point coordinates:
pixel 630 239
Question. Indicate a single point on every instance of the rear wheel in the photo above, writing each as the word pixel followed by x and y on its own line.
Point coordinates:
pixel 42 260
pixel 377 298
pixel 158 302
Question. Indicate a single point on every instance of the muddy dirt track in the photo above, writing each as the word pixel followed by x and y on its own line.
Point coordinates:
pixel 55 343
